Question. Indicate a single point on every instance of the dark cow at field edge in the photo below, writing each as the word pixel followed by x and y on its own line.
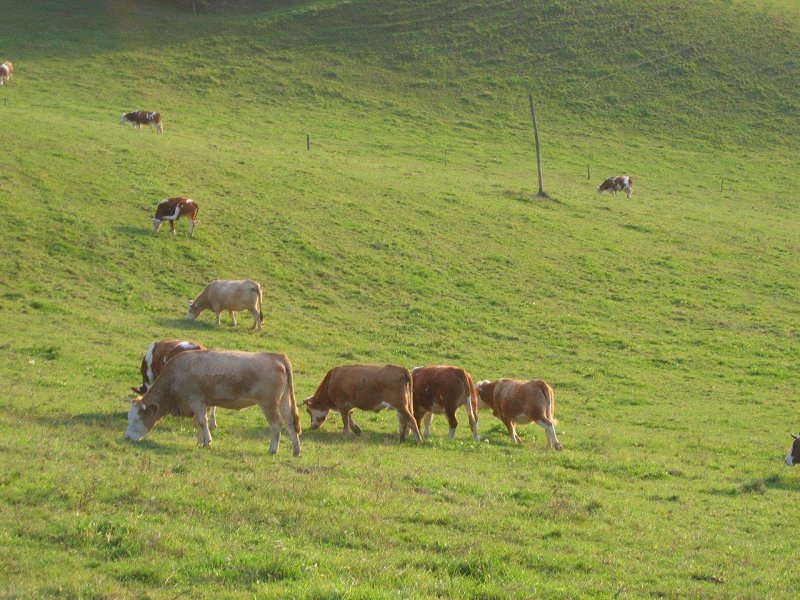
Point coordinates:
pixel 794 453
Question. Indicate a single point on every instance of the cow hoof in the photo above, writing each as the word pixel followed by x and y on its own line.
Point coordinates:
pixel 558 446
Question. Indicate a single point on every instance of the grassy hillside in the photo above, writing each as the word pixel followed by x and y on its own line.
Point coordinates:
pixel 409 233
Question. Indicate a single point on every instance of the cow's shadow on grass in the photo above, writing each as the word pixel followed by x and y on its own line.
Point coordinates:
pixel 185 324
pixel 130 230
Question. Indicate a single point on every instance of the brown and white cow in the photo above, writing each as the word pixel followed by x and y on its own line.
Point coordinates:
pixel 516 401
pixel 366 387
pixel 193 382
pixel 159 354
pixel 230 295
pixel 617 184
pixel 794 452
pixel 172 209
pixel 6 69
pixel 443 389
pixel 143 117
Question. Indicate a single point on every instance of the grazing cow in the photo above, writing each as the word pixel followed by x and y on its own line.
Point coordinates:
pixel 172 209
pixel 794 454
pixel 366 387
pixel 159 354
pixel 617 184
pixel 192 382
pixel 143 117
pixel 6 69
pixel 230 295
pixel 442 389
pixel 514 401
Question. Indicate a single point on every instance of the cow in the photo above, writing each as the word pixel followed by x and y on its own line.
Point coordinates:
pixel 366 387
pixel 193 382
pixel 172 209
pixel 442 389
pixel 516 401
pixel 617 184
pixel 794 453
pixel 230 295
pixel 159 354
pixel 143 117
pixel 6 69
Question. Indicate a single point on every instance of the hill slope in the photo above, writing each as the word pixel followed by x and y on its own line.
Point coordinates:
pixel 407 233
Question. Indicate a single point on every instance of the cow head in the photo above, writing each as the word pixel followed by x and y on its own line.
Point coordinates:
pixel 485 391
pixel 192 314
pixel 141 419
pixel 156 225
pixel 317 414
pixel 794 454
pixel 123 119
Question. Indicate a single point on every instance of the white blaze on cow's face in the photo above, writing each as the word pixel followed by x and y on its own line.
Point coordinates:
pixel 156 225
pixel 137 428
pixel 479 389
pixel 190 316
pixel 317 416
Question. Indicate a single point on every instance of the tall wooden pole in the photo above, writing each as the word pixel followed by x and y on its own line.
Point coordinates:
pixel 536 141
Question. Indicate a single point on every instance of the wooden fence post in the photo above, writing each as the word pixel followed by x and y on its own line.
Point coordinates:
pixel 536 141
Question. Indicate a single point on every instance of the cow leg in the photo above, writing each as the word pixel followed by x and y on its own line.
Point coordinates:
pixel 473 421
pixel 192 224
pixel 407 421
pixel 630 192
pixel 552 440
pixel 233 317
pixel 212 421
pixel 274 419
pixel 256 319
pixel 292 427
pixel 172 226
pixel 201 422
pixel 217 315
pixel 355 428
pixel 451 419
pixel 426 421
pixel 345 412
pixel 512 430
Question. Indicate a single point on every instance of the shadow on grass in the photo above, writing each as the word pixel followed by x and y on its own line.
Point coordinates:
pixel 532 197
pixel 134 231
pixel 777 482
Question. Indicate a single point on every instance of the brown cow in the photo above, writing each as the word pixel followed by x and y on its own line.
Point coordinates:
pixel 143 117
pixel 192 382
pixel 442 389
pixel 617 184
pixel 515 401
pixel 6 69
pixel 230 295
pixel 172 209
pixel 160 353
pixel 366 387
pixel 794 453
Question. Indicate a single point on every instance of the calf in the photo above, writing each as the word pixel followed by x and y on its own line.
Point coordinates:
pixel 159 354
pixel 193 382
pixel 794 453
pixel 172 209
pixel 366 387
pixel 442 389
pixel 143 117
pixel 6 69
pixel 515 401
pixel 230 295
pixel 617 184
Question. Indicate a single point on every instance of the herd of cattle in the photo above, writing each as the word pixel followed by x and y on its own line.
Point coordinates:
pixel 184 378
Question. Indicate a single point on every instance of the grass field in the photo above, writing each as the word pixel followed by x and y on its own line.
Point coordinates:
pixel 409 232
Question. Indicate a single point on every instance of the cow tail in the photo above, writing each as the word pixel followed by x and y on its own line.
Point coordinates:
pixel 551 397
pixel 292 400
pixel 260 304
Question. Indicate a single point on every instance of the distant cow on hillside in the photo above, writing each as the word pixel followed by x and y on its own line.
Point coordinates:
pixel 172 209
pixel 794 453
pixel 230 295
pixel 617 184
pixel 6 69
pixel 443 389
pixel 143 117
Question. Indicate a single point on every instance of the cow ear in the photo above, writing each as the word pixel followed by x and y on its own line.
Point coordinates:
pixel 795 436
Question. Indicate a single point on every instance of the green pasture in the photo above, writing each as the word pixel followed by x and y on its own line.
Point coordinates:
pixel 409 231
